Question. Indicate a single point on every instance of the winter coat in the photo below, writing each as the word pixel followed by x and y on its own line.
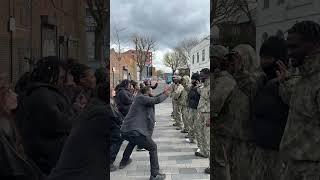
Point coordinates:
pixel 124 99
pixel 44 121
pixel 85 154
pixel 14 165
pixel 141 116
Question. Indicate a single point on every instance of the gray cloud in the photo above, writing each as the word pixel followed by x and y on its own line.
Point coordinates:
pixel 168 21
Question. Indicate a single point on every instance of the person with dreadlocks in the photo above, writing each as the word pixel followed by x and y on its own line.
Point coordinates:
pixel 300 143
pixel 44 114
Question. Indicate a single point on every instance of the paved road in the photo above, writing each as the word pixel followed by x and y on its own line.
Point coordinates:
pixel 176 157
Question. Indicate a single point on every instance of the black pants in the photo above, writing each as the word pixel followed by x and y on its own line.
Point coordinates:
pixel 135 138
pixel 115 145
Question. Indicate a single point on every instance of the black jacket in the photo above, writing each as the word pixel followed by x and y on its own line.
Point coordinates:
pixel 270 116
pixel 193 97
pixel 44 121
pixel 85 154
pixel 14 165
pixel 124 99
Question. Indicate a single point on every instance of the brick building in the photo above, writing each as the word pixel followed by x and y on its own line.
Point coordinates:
pixel 33 29
pixel 123 66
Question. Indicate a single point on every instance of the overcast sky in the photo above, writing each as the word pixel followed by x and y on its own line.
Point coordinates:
pixel 168 21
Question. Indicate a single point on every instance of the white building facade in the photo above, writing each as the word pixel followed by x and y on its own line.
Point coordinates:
pixel 275 17
pixel 200 56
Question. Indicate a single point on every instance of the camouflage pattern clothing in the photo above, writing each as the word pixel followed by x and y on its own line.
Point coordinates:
pixel 176 95
pixel 221 93
pixel 234 123
pixel 203 133
pixel 183 101
pixel 301 139
pixel 193 116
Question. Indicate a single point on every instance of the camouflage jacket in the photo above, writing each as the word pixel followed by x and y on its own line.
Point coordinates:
pixel 204 102
pixel 176 94
pixel 184 95
pixel 286 87
pixel 230 107
pixel 301 138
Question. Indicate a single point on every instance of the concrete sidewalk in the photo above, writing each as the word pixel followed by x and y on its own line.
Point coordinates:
pixel 176 156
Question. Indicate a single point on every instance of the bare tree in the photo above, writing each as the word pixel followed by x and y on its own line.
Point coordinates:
pixel 144 45
pixel 230 10
pixel 117 41
pixel 174 60
pixel 99 10
pixel 184 47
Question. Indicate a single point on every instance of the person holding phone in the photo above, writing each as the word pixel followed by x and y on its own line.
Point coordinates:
pixel 270 112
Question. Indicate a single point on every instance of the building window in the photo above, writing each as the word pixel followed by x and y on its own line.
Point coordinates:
pixel 266 4
pixel 198 57
pixel 192 59
pixel 203 55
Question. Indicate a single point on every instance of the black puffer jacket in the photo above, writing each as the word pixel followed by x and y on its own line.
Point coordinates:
pixel 193 97
pixel 124 99
pixel 44 121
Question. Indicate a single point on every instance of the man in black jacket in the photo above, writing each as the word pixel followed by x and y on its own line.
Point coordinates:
pixel 138 127
pixel 44 114
pixel 193 101
pixel 270 112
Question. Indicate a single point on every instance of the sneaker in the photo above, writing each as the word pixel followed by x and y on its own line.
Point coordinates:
pixel 184 131
pixel 112 168
pixel 190 140
pixel 207 170
pixel 178 128
pixel 200 155
pixel 175 124
pixel 159 176
pixel 124 164
pixel 187 136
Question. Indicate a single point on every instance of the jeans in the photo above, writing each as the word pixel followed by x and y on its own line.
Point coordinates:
pixel 135 138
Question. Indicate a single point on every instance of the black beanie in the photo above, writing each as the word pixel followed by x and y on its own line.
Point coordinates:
pixel 195 76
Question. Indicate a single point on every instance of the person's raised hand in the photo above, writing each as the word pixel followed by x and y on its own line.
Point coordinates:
pixel 167 90
pixel 283 72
